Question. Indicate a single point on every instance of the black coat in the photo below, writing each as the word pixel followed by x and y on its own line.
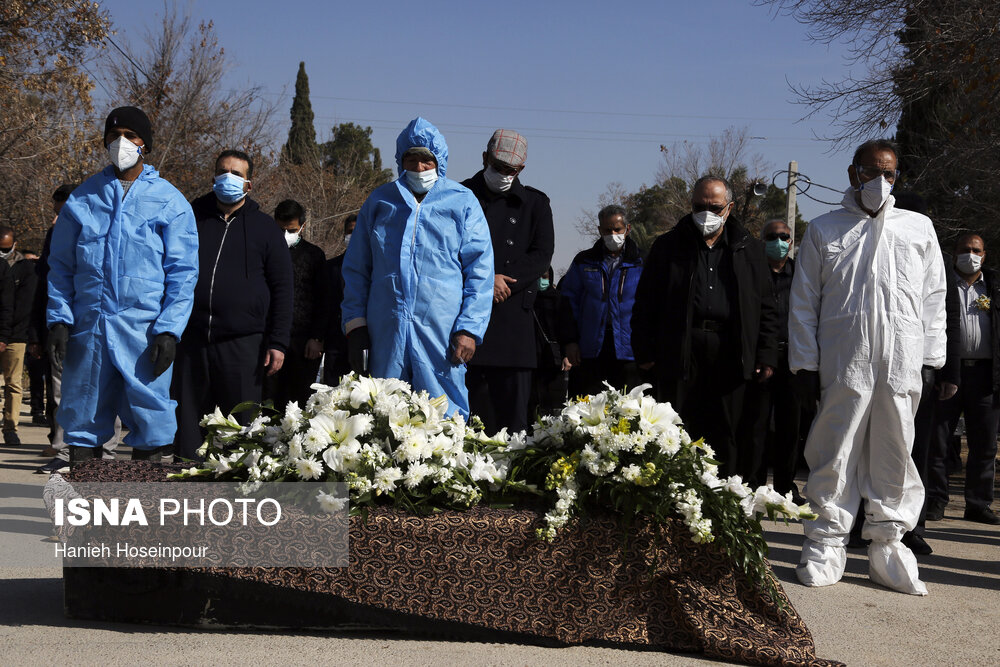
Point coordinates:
pixel 38 329
pixel 662 314
pixel 310 287
pixel 523 241
pixel 244 276
pixel 24 276
pixel 6 302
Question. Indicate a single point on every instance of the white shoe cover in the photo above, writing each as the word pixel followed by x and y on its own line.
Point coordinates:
pixel 893 565
pixel 821 564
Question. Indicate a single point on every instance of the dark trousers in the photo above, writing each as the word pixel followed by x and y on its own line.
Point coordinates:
pixel 335 366
pixel 772 401
pixel 975 399
pixel 549 389
pixel 710 400
pixel 38 371
pixel 499 396
pixel 208 375
pixel 293 381
pixel 589 377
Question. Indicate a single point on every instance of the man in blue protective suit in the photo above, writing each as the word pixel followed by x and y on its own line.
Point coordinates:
pixel 122 271
pixel 418 274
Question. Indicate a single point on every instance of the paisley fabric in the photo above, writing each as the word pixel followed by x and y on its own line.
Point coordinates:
pixel 600 581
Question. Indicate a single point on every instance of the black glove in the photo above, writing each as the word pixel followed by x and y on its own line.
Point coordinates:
pixel 358 344
pixel 162 353
pixel 806 385
pixel 928 376
pixel 55 345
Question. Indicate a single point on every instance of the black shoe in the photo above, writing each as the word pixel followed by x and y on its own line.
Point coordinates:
pixel 164 454
pixel 981 515
pixel 55 465
pixel 917 544
pixel 39 419
pixel 934 512
pixel 78 454
pixel 10 439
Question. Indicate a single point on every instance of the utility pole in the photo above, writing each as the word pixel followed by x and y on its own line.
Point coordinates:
pixel 793 173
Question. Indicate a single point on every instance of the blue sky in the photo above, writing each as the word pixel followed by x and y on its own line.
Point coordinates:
pixel 595 87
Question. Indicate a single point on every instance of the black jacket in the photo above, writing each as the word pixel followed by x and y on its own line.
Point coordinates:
pixel 244 277
pixel 334 341
pixel 38 328
pixel 662 314
pixel 25 280
pixel 6 303
pixel 309 283
pixel 523 241
pixel 952 371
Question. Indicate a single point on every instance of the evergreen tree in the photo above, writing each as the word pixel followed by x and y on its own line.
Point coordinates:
pixel 301 147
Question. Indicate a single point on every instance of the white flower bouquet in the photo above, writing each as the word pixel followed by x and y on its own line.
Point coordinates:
pixel 631 453
pixel 387 442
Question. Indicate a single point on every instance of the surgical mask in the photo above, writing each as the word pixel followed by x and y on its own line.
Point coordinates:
pixel 543 284
pixel 229 188
pixel 874 193
pixel 291 238
pixel 968 263
pixel 613 242
pixel 347 240
pixel 4 254
pixel 421 181
pixel 123 153
pixel 777 249
pixel 708 223
pixel 496 181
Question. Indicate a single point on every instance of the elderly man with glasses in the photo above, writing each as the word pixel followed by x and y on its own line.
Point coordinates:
pixel 867 317
pixel 704 318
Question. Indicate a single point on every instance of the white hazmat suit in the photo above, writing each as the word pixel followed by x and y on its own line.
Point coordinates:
pixel 866 311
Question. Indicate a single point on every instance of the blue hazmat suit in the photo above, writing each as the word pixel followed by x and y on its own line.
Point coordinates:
pixel 415 273
pixel 121 271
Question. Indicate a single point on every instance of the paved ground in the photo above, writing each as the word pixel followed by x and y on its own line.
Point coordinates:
pixel 854 621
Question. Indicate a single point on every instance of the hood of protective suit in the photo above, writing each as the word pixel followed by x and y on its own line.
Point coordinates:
pixel 420 133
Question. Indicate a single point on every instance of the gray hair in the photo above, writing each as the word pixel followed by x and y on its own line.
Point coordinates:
pixel 714 179
pixel 611 210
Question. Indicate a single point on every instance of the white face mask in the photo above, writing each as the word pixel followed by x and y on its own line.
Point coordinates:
pixel 123 153
pixel 347 240
pixel 968 263
pixel 496 181
pixel 874 193
pixel 421 181
pixel 708 223
pixel 613 242
pixel 291 238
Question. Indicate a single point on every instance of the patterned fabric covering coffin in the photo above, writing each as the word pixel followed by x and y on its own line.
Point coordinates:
pixel 486 569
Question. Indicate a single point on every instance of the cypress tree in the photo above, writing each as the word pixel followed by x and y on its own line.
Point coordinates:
pixel 301 147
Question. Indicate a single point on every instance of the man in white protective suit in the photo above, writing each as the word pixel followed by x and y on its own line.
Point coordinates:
pixel 866 319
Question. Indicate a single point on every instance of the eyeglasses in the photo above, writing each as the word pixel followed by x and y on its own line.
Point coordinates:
pixel 505 169
pixel 714 208
pixel 871 173
pixel 784 236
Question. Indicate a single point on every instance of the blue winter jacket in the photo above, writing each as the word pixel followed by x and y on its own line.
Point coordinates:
pixel 595 296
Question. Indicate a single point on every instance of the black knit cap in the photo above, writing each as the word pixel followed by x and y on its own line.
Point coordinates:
pixel 135 120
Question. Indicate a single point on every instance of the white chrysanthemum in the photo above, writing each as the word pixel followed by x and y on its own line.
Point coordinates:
pixel 386 479
pixel 308 468
pixel 416 474
pixel 315 440
pixel 631 472
pixel 330 503
pixel 295 446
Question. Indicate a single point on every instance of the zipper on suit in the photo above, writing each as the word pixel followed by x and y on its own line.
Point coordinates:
pixel 211 284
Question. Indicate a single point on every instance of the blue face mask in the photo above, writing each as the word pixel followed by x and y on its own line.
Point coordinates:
pixel 543 284
pixel 229 188
pixel 777 249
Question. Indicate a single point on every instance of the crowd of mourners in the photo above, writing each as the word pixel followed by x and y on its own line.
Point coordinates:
pixel 851 362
